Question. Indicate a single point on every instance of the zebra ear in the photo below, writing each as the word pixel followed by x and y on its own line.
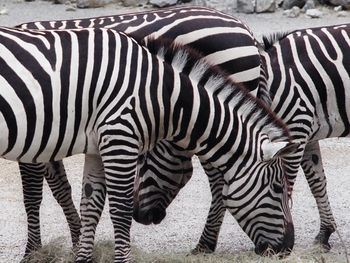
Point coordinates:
pixel 272 150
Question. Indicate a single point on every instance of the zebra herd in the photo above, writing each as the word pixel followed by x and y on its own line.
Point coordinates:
pixel 131 93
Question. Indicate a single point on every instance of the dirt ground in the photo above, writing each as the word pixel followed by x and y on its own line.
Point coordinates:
pixel 182 227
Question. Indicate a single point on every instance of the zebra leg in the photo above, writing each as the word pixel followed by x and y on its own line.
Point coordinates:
pixel 208 240
pixel 32 182
pixel 62 191
pixel 119 152
pixel 313 169
pixel 120 176
pixel 91 206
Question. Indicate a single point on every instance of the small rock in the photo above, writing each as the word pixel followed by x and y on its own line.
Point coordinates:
pixel 4 11
pixel 245 6
pixel 71 8
pixel 83 4
pixel 310 4
pixel 293 12
pixel 134 2
pixel 314 13
pixel 162 3
pixel 265 6
pixel 338 8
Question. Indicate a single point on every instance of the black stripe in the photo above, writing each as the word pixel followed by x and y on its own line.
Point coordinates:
pixel 83 47
pixel 65 82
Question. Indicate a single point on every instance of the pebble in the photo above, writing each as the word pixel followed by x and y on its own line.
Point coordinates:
pixel 338 8
pixel 163 3
pixel 4 11
pixel 314 13
pixel 71 8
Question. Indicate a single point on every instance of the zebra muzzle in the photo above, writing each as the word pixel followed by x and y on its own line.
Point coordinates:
pixel 263 248
pixel 152 216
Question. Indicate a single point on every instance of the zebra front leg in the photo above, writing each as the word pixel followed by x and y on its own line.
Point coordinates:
pixel 120 176
pixel 91 205
pixel 62 191
pixel 119 150
pixel 32 181
pixel 208 240
pixel 313 169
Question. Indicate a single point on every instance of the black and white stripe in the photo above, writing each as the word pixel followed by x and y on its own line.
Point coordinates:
pixel 308 78
pixel 100 93
pixel 309 82
pixel 196 27
pixel 224 40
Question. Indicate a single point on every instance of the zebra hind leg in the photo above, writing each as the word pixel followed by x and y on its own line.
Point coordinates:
pixel 208 240
pixel 62 191
pixel 313 169
pixel 32 182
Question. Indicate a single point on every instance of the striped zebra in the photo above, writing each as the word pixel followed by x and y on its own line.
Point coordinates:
pixel 113 100
pixel 224 40
pixel 308 80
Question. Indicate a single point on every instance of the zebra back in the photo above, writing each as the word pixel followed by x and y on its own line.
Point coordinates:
pixel 225 40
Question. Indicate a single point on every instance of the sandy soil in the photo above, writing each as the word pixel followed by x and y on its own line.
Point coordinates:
pixel 182 227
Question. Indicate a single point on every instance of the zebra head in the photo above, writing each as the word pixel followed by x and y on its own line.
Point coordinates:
pixel 258 208
pixel 259 201
pixel 162 173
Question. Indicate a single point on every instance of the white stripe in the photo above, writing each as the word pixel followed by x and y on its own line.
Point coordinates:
pixel 246 75
pixel 190 37
pixel 229 54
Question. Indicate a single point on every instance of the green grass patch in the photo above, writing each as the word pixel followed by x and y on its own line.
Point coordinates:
pixel 57 252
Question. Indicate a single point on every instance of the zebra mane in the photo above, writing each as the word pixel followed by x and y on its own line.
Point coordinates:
pixel 271 39
pixel 192 63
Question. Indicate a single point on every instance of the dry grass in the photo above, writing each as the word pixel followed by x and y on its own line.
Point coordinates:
pixel 56 252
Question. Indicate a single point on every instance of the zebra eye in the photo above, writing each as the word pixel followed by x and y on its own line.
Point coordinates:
pixel 278 188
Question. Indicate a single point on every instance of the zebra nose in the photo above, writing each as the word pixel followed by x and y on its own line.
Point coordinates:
pixel 142 218
pixel 154 215
pixel 261 248
pixel 283 249
pixel 157 215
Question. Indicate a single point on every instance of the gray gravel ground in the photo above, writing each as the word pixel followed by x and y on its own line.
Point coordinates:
pixel 182 227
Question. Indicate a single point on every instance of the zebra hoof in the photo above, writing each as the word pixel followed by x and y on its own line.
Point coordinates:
pixel 322 241
pixel 200 249
pixel 325 246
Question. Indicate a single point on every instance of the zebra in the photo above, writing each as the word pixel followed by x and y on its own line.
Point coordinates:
pixel 316 85
pixel 224 40
pixel 107 110
pixel 307 76
pixel 160 160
